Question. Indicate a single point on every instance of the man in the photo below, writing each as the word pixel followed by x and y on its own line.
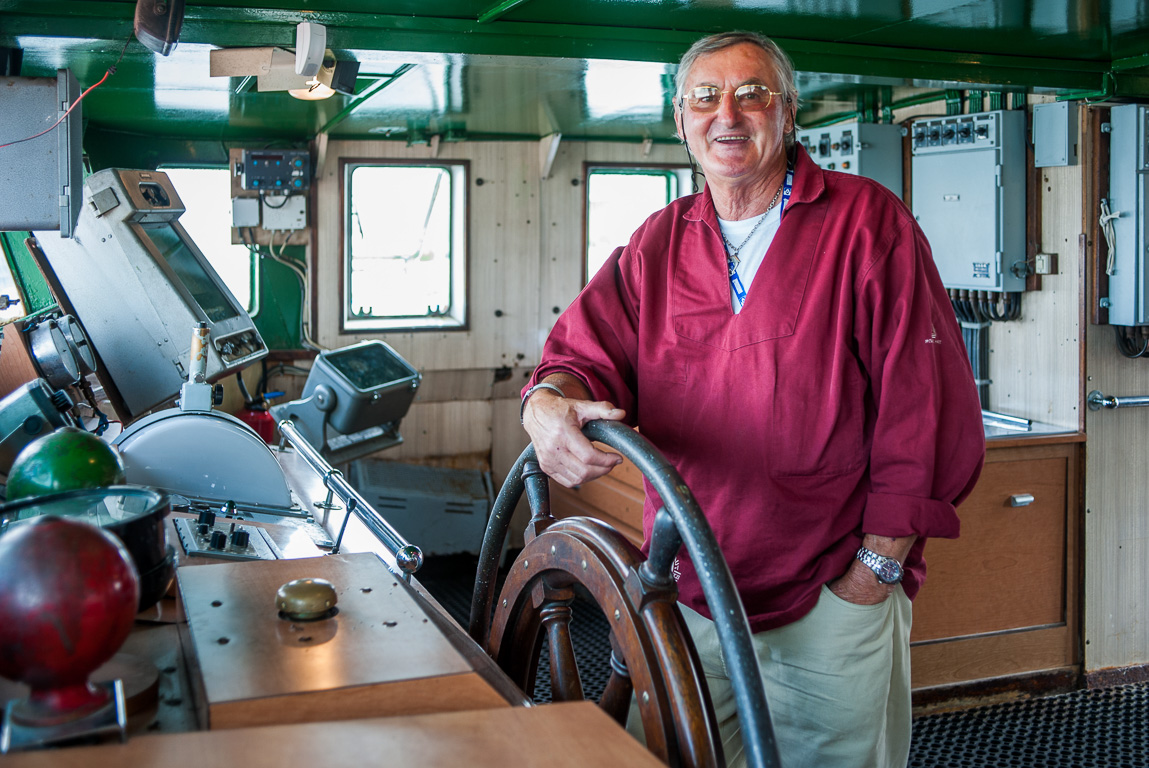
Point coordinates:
pixel 783 337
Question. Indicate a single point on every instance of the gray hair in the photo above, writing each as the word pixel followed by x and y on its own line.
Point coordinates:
pixel 714 43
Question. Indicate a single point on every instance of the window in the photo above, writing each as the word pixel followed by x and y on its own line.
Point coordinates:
pixel 404 242
pixel 206 194
pixel 619 199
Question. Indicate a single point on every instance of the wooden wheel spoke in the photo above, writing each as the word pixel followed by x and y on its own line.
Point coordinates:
pixel 616 696
pixel 652 655
pixel 566 685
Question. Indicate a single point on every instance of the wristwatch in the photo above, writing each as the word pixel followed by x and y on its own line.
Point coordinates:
pixel 887 569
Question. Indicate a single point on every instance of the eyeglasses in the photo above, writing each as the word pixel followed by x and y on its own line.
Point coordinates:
pixel 750 97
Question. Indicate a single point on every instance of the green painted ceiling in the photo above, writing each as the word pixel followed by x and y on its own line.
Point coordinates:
pixel 593 69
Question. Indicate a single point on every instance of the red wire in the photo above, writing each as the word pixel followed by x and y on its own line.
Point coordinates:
pixel 53 125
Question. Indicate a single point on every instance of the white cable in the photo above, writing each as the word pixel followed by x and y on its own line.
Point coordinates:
pixel 305 285
pixel 1106 222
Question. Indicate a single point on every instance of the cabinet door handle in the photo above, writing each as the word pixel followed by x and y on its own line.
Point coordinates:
pixel 1021 499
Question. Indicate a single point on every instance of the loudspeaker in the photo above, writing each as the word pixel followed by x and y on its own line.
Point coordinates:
pixel 158 23
pixel 310 44
pixel 343 76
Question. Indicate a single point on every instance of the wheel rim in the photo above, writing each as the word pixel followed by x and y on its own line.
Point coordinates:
pixel 533 611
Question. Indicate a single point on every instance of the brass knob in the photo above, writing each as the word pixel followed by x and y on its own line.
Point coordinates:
pixel 306 599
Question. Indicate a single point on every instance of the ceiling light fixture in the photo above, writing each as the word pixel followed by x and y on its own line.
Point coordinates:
pixel 315 91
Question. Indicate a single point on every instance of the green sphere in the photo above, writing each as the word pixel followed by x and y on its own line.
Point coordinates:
pixel 65 460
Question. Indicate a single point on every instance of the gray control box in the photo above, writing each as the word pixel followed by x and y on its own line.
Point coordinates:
pixel 1128 164
pixel 872 150
pixel 40 180
pixel 1054 134
pixel 969 197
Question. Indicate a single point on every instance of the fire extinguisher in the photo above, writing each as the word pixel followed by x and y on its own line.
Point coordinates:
pixel 255 414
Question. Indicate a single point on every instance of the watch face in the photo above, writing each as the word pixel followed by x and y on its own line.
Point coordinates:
pixel 889 571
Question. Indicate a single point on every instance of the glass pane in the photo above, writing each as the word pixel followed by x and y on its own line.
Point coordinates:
pixel 399 242
pixel 617 203
pixel 190 272
pixel 206 193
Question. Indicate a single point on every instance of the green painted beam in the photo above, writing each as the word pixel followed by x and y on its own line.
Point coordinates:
pixel 34 291
pixel 1132 62
pixel 361 98
pixel 260 26
pixel 499 10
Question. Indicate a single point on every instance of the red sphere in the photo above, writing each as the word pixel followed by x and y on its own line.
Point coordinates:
pixel 68 597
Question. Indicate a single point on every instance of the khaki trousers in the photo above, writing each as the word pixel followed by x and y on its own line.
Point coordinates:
pixel 837 683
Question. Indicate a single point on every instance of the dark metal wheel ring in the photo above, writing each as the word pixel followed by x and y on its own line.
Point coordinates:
pixel 646 630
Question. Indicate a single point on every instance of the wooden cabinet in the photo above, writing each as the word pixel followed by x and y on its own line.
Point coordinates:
pixel 1000 600
pixel 1003 598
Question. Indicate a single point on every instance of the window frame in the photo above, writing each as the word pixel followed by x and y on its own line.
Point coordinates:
pixel 457 318
pixel 681 171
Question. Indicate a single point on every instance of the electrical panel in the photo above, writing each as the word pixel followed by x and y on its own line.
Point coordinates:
pixel 283 212
pixel 277 170
pixel 1128 164
pixel 969 197
pixel 41 180
pixel 245 212
pixel 865 149
pixel 1054 134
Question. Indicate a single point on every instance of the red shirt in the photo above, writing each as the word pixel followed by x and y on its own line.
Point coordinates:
pixel 839 402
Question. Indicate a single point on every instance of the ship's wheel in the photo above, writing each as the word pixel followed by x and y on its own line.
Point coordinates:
pixel 652 655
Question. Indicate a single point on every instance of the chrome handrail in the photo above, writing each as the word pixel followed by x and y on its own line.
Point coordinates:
pixel 406 558
pixel 1097 400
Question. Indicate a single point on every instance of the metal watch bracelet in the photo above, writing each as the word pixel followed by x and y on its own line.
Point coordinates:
pixel 541 385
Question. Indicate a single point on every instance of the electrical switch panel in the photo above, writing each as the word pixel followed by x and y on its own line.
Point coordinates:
pixel 864 149
pixel 1127 204
pixel 275 170
pixel 969 197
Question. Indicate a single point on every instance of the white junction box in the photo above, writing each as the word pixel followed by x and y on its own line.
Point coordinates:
pixel 284 212
pixel 969 197
pixel 1128 164
pixel 872 150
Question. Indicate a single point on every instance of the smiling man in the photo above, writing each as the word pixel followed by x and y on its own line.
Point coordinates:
pixel 783 337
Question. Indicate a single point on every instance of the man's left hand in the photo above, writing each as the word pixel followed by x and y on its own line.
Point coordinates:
pixel 859 585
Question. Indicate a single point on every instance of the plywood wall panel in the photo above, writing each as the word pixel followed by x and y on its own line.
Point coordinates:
pixel 503 256
pixel 526 259
pixel 1034 362
pixel 444 429
pixel 1116 602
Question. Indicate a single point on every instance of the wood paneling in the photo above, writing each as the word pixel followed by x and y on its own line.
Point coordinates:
pixel 1116 520
pixel 526 261
pixel 503 247
pixel 444 429
pixel 15 365
pixel 1034 361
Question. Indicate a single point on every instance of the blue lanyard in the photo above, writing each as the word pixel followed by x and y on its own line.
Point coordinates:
pixel 732 265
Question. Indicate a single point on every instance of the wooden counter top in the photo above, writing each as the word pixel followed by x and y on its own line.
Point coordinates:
pixel 381 654
pixel 576 734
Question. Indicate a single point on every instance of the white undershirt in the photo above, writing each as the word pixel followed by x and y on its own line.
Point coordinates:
pixel 754 252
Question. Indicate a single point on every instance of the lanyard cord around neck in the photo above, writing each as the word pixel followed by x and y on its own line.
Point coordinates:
pixel 732 253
